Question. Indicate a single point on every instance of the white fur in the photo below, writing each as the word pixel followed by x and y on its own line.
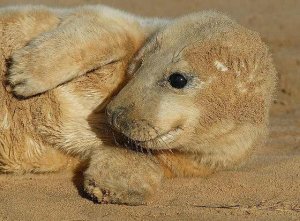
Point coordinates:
pixel 220 66
pixel 5 122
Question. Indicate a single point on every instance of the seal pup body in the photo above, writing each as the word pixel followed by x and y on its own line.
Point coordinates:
pixel 197 99
pixel 30 128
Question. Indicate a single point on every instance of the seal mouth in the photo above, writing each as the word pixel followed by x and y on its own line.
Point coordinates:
pixel 161 141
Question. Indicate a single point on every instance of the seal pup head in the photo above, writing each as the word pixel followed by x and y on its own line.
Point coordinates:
pixel 201 84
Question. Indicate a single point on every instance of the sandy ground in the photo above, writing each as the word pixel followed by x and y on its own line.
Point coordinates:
pixel 266 188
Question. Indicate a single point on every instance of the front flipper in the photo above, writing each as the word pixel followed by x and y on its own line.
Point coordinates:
pixel 121 176
pixel 79 45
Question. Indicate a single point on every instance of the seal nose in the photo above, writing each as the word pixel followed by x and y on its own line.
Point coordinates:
pixel 114 116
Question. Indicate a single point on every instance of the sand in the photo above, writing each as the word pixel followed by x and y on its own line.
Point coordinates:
pixel 266 188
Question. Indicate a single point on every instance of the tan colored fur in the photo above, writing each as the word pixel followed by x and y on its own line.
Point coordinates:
pixel 210 125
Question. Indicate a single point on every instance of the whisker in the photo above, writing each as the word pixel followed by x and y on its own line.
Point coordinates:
pixel 164 142
pixel 116 142
pixel 148 150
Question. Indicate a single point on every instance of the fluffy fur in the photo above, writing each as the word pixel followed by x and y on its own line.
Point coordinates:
pixel 211 124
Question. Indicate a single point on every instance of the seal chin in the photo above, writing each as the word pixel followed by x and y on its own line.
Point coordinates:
pixel 161 142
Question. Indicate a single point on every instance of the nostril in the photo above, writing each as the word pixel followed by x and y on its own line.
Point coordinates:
pixel 114 116
pixel 108 113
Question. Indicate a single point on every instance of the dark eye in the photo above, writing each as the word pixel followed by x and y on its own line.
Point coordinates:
pixel 177 80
